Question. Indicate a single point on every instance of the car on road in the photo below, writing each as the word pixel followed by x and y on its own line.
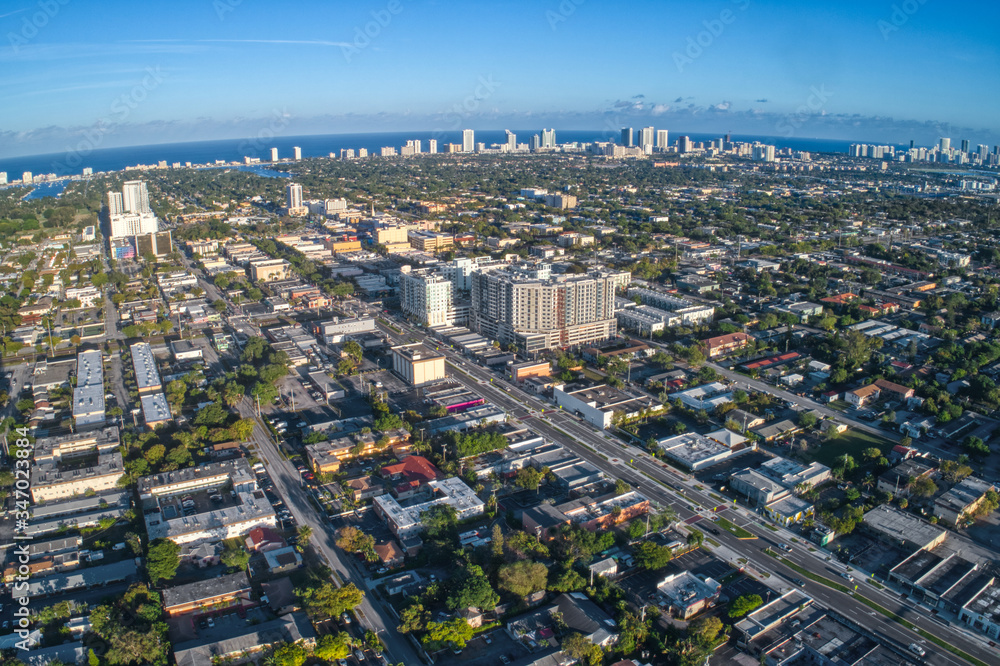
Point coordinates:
pixel 917 650
pixel 345 618
pixel 847 576
pixel 785 547
pixel 504 659
pixel 799 582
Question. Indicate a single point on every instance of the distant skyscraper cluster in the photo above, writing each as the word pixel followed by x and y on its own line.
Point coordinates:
pixel 129 212
pixel 942 152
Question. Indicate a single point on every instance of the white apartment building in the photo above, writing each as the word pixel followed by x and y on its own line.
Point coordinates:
pixel 405 521
pixel 88 296
pixel 135 197
pixel 428 296
pixel 468 141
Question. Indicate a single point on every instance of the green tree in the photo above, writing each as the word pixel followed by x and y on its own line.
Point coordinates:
pixel 528 478
pixel 456 631
pixel 705 630
pixel 304 532
pixel 162 560
pixel 289 654
pixel 652 556
pixel 242 429
pixel 236 557
pixel 924 487
pixel 471 589
pixel 523 577
pixel 334 646
pixel 327 600
pixel 569 580
pixel 579 647
pixel 412 619
pixel 744 604
pixel 354 350
pixel 440 521
pixel 976 447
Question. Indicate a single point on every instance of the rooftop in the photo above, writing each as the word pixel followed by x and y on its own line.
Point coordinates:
pixel 155 408
pixel 238 471
pixel 205 590
pixel 902 526
pixel 146 373
pixel 963 494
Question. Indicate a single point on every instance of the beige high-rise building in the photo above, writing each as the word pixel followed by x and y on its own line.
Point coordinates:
pixel 528 306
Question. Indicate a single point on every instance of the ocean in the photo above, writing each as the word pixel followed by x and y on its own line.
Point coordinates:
pixel 206 152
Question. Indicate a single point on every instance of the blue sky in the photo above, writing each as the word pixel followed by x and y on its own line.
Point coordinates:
pixel 200 69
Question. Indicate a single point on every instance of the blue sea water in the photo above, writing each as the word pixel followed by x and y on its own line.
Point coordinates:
pixel 207 152
pixel 47 190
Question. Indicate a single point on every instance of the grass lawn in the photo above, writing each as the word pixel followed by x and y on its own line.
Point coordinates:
pixel 738 531
pixel 852 442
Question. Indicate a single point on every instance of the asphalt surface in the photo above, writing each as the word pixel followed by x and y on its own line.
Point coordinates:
pixel 288 484
pixel 662 484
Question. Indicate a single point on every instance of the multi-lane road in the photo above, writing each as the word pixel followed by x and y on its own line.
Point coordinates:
pixel 668 487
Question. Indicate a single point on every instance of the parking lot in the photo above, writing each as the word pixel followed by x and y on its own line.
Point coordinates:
pixel 478 652
pixel 194 502
pixel 215 625
pixel 640 584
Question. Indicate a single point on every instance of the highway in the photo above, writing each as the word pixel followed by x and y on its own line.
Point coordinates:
pixel 664 485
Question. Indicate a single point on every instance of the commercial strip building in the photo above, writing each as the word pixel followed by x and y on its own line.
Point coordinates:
pixel 334 332
pixel 694 451
pixel 961 500
pixel 291 628
pixel 688 594
pixel 155 410
pixel 599 405
pixel 771 487
pixel 87 578
pixel 902 528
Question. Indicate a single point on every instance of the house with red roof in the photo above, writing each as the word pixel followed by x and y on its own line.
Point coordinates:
pixel 263 539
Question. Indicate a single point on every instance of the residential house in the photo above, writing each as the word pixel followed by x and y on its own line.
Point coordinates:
pixel 862 395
